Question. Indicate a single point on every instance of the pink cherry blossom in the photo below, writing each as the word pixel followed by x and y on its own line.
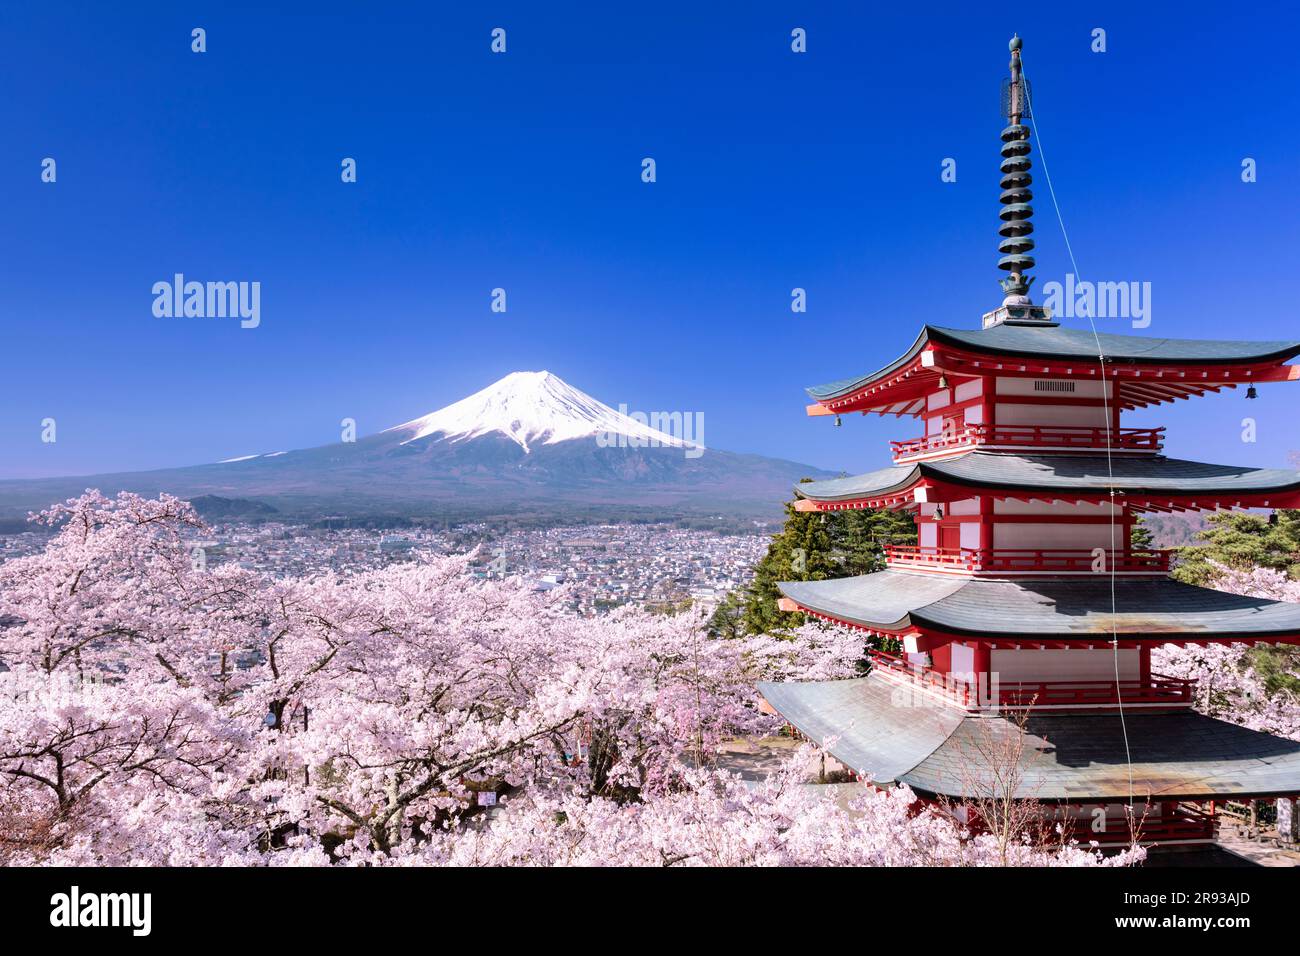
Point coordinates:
pixel 1228 686
pixel 155 712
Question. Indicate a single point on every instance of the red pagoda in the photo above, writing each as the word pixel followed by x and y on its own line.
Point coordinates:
pixel 1025 613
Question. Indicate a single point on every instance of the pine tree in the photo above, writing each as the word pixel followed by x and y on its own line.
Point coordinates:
pixel 728 618
pixel 1243 541
pixel 860 536
pixel 1140 538
pixel 817 546
pixel 800 551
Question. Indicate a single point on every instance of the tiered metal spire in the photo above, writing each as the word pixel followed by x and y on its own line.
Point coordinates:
pixel 1016 211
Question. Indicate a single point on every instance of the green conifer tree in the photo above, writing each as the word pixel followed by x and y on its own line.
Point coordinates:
pixel 1140 538
pixel 728 618
pixel 859 537
pixel 1243 541
pixel 817 546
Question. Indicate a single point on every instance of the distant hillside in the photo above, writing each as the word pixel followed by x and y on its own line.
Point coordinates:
pixel 528 444
pixel 216 508
pixel 1175 530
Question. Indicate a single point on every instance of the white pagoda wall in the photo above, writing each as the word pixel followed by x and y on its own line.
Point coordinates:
pixel 1082 416
pixel 1040 412
pixel 1056 534
pixel 962 665
pixel 1013 666
pixel 927 527
pixel 1012 506
pixel 927 535
pixel 1087 404
pixel 945 399
pixel 1008 385
pixel 1072 537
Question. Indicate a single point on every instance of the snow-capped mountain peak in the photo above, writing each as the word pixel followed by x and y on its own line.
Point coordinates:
pixel 531 408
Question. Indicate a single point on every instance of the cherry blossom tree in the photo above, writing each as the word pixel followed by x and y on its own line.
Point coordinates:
pixel 719 820
pixel 1229 685
pixel 157 711
pixel 107 700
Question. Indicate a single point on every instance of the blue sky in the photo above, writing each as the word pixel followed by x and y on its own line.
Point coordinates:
pixel 522 171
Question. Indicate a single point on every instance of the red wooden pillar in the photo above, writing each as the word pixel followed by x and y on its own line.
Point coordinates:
pixel 990 401
pixel 986 522
pixel 983 689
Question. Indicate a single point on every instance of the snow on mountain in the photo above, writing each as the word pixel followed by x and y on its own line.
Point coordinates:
pixel 229 461
pixel 532 408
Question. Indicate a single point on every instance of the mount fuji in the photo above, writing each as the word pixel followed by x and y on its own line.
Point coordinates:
pixel 535 408
pixel 528 443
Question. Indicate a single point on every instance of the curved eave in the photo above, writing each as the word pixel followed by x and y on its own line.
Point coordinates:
pixel 1281 496
pixel 1075 345
pixel 896 480
pixel 835 390
pixel 1062 612
pixel 1097 758
pixel 1157 483
pixel 940 752
pixel 858 722
pixel 1149 371
pixel 922 635
pixel 883 601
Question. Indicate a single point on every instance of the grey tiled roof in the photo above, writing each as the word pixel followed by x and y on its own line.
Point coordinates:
pixel 858 486
pixel 1156 609
pixel 1083 473
pixel 1184 756
pixel 1130 473
pixel 894 737
pixel 1046 342
pixel 883 599
pixel 872 731
pixel 1058 342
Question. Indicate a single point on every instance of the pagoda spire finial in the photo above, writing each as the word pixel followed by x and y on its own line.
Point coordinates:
pixel 1016 195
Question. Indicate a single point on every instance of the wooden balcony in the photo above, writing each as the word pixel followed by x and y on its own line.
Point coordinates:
pixel 1028 438
pixel 927 678
pixel 1157 692
pixel 1026 561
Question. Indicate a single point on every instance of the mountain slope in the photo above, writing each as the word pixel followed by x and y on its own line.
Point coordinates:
pixel 530 407
pixel 529 442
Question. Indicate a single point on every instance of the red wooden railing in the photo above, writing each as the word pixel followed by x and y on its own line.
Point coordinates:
pixel 1031 436
pixel 1178 823
pixel 941 441
pixel 1183 822
pixel 1157 689
pixel 928 677
pixel 1023 560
